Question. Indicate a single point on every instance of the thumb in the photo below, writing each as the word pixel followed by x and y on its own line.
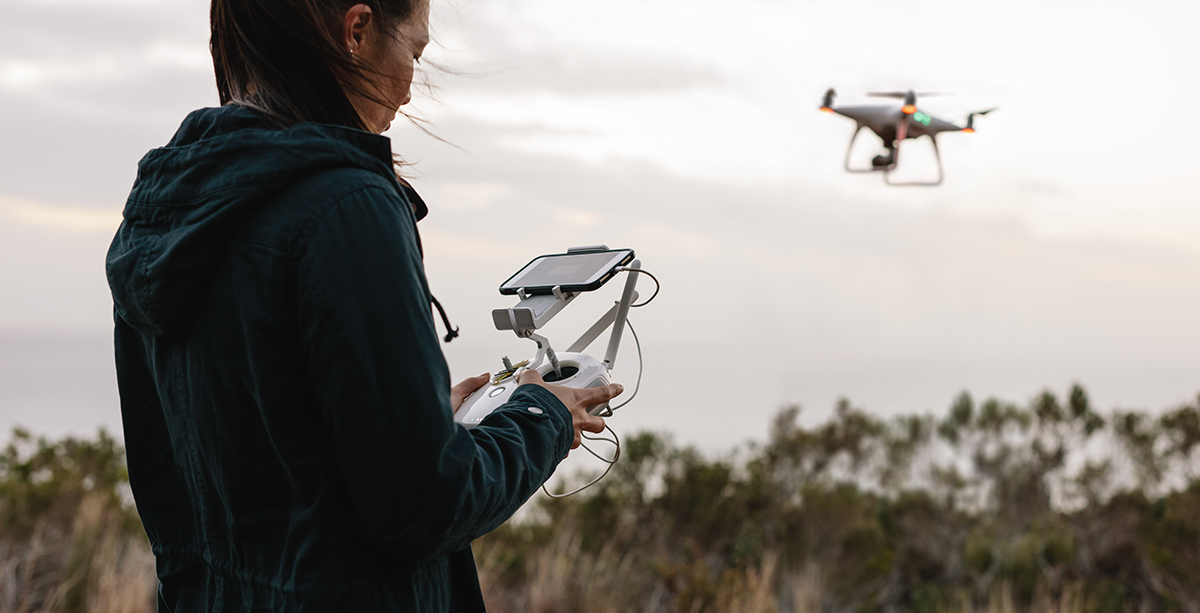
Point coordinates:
pixel 530 375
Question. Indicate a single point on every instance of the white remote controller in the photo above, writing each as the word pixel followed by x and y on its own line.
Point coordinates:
pixel 580 371
pixel 571 368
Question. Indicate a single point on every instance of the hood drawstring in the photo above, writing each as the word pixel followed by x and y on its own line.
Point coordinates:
pixel 451 331
pixel 419 211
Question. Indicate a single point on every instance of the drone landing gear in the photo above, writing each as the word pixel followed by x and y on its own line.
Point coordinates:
pixel 937 155
pixel 887 163
pixel 874 167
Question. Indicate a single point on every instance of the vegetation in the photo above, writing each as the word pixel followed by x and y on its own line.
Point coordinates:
pixel 1048 507
pixel 991 507
pixel 70 540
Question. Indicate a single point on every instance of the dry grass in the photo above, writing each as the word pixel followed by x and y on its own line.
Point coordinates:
pixel 563 579
pixel 95 566
pixel 92 566
pixel 750 591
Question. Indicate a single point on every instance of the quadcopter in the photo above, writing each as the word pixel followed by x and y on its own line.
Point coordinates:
pixel 893 125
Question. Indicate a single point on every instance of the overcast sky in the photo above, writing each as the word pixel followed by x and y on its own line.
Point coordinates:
pixel 1062 247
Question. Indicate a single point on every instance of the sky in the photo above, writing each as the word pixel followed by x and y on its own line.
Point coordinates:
pixel 1061 248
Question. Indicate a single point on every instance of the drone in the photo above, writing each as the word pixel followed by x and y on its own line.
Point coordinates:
pixel 893 125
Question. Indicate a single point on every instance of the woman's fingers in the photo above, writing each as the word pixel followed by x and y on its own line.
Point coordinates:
pixel 593 396
pixel 577 401
pixel 459 392
pixel 596 396
pixel 470 385
pixel 593 424
pixel 585 423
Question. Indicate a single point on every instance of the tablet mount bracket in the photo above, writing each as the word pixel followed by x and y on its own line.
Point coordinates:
pixel 535 311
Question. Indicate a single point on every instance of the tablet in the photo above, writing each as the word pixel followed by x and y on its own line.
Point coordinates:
pixel 573 272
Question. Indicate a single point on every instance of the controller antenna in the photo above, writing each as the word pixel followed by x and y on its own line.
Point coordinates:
pixel 554 361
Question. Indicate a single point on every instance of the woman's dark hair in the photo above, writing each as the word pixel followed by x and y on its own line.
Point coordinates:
pixel 286 58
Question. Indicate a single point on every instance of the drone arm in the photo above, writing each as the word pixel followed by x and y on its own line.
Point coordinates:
pixel 971 119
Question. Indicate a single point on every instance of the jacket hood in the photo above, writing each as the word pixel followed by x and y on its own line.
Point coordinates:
pixel 190 196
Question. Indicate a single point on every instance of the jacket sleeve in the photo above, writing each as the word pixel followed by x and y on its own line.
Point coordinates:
pixel 420 483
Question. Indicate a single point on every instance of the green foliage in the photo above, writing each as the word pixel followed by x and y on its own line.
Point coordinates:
pixel 44 481
pixel 1047 503
pixel 69 535
pixel 994 505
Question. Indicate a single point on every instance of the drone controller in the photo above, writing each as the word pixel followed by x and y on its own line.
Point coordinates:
pixel 579 371
pixel 545 286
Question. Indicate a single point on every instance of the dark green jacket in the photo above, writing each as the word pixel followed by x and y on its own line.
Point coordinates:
pixel 284 395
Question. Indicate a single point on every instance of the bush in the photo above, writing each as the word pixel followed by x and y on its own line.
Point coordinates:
pixel 70 540
pixel 993 506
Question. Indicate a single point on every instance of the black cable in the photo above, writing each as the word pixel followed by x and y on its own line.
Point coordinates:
pixel 451 331
pixel 657 286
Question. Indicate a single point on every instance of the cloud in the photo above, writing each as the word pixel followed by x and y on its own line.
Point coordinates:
pixel 81 149
pixel 23 74
pixel 510 52
pixel 66 218
pixel 791 292
pixel 82 61
pixel 688 131
pixel 580 71
pixel 86 88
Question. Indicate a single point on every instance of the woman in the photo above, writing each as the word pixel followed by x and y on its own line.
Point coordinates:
pixel 286 406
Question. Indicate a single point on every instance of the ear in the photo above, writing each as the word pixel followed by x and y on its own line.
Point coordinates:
pixel 355 27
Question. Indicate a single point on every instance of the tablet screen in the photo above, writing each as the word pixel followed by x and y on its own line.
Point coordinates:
pixel 572 271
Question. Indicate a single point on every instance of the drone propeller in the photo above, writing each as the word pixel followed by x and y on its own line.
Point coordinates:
pixel 827 102
pixel 971 119
pixel 909 97
pixel 903 95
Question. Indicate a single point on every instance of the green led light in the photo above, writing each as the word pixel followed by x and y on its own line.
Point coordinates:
pixel 922 118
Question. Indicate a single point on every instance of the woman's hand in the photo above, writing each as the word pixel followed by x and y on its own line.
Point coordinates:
pixel 459 392
pixel 578 401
